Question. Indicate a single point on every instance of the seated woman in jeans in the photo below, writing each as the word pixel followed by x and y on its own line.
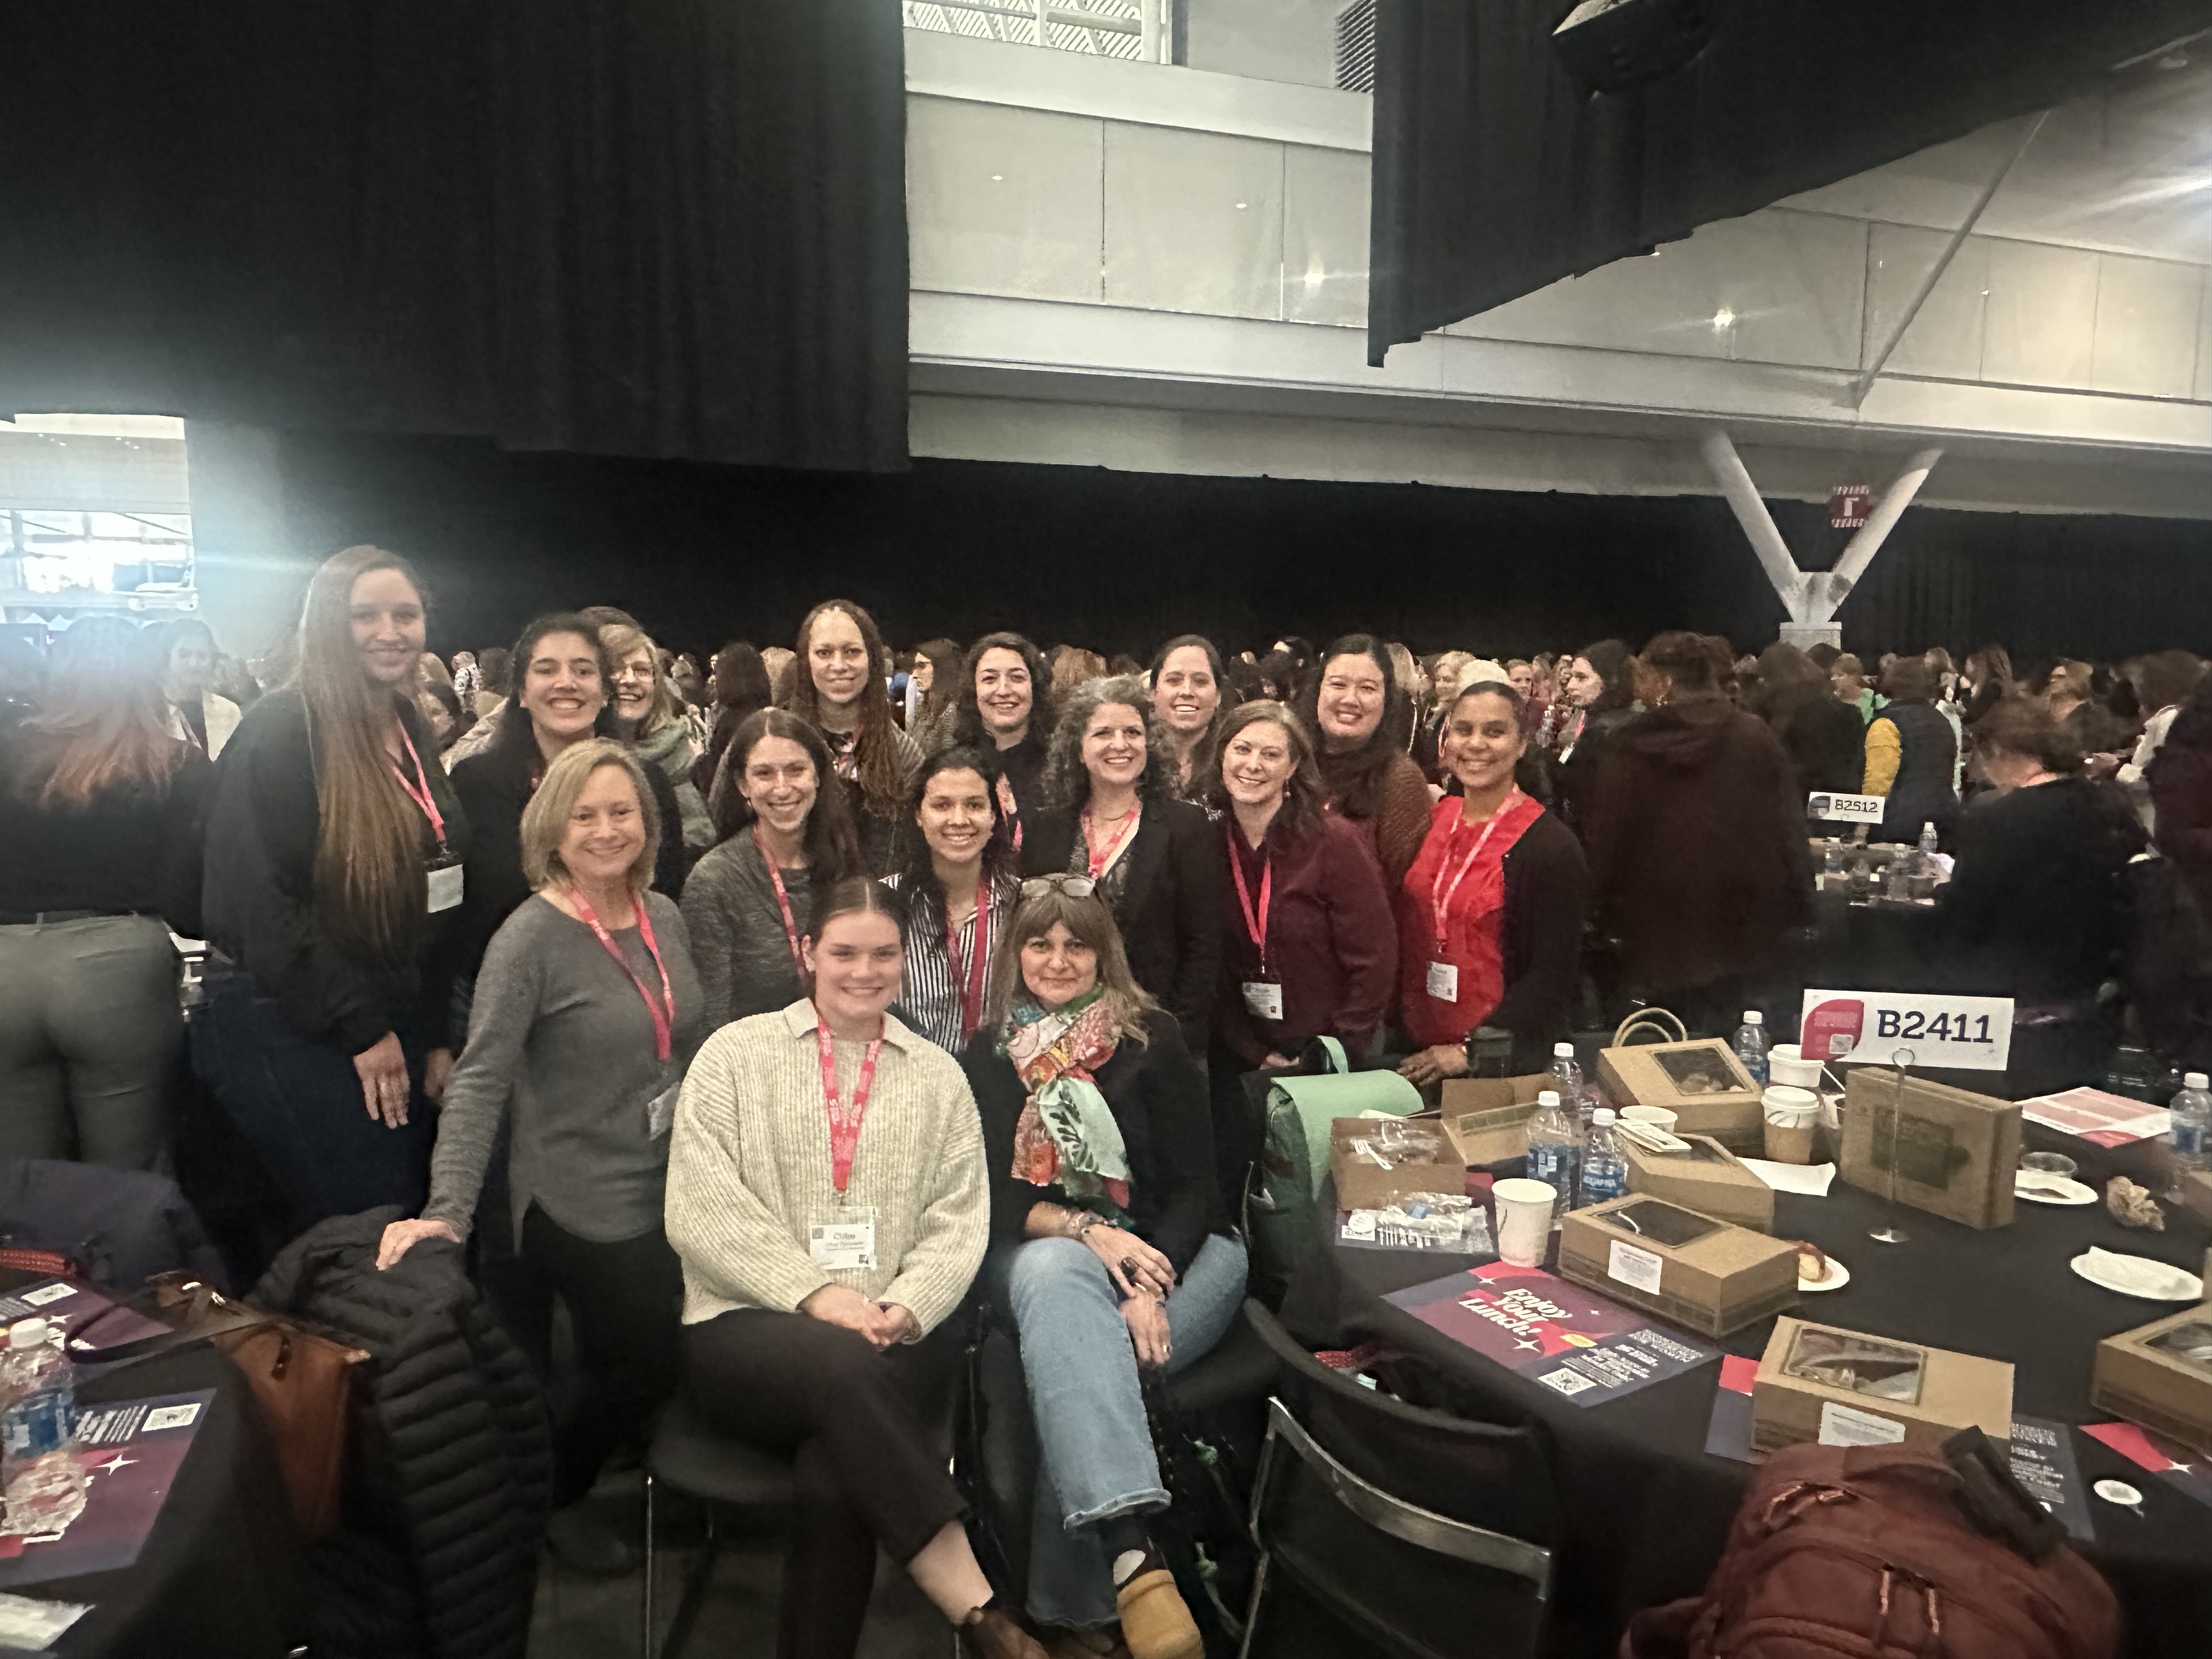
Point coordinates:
pixel 1109 1244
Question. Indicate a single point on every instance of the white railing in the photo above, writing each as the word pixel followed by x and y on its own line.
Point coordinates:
pixel 1135 30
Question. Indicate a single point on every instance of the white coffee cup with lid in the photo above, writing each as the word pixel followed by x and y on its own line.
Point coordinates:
pixel 1786 1064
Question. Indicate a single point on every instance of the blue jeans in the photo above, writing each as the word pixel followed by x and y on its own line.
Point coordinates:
pixel 1098 1460
pixel 300 1103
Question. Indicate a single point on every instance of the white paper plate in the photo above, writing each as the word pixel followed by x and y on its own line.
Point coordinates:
pixel 2169 1283
pixel 2054 1191
pixel 1838 1276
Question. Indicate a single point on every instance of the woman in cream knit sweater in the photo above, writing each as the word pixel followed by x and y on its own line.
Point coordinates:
pixel 828 1196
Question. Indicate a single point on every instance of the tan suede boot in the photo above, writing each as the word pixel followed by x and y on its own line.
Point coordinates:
pixel 1155 1623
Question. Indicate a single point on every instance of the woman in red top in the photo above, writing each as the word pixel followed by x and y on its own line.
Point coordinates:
pixel 1490 917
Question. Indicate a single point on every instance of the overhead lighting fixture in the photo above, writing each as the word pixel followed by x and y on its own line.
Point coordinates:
pixel 1723 319
pixel 1614 46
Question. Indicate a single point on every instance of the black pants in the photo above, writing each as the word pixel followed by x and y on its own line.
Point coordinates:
pixel 623 1300
pixel 865 1432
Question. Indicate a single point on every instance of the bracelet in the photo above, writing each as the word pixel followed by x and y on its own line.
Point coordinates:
pixel 1084 1221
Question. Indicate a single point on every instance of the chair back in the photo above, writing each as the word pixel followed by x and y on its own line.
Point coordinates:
pixel 1411 1528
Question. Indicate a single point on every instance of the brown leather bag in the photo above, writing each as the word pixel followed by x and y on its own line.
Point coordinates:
pixel 303 1381
pixel 1887 1553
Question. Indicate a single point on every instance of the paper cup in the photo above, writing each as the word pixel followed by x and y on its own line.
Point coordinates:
pixel 1524 1219
pixel 1792 1115
pixel 1786 1064
pixel 1658 1116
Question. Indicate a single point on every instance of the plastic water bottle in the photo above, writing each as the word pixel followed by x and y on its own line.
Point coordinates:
pixel 2191 1133
pixel 1555 1151
pixel 1751 1045
pixel 1605 1171
pixel 1567 1079
pixel 39 1470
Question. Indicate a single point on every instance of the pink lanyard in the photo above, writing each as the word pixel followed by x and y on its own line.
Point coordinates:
pixel 663 1012
pixel 844 1126
pixel 419 793
pixel 1255 922
pixel 1440 896
pixel 970 977
pixel 783 903
pixel 1100 862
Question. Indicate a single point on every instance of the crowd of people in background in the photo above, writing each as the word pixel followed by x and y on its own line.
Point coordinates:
pixel 566 948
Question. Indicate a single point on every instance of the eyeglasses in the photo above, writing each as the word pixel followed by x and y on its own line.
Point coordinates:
pixel 1073 886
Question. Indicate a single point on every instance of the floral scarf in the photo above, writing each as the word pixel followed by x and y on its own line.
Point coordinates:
pixel 1066 1134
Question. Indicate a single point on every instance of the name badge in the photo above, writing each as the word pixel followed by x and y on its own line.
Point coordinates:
pixel 843 1241
pixel 445 887
pixel 1263 998
pixel 660 1111
pixel 1443 981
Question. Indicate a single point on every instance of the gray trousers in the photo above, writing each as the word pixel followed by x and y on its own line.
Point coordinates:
pixel 89 1034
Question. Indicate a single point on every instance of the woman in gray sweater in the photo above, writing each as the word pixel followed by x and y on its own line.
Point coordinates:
pixel 587 1011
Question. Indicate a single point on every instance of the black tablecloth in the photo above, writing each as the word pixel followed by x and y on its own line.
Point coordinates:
pixel 220 1575
pixel 1649 1508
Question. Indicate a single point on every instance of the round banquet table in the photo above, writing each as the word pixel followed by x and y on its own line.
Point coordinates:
pixel 219 1575
pixel 1647 1508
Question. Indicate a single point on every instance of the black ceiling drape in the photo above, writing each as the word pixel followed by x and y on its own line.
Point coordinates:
pixel 646 227
pixel 1494 174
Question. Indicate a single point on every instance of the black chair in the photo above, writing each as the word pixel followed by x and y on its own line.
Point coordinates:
pixel 732 1479
pixel 1401 1531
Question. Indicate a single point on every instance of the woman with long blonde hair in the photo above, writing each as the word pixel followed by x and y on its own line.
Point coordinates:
pixel 334 865
pixel 99 809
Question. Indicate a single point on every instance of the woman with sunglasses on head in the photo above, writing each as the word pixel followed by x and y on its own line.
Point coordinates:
pixel 828 1194
pixel 1114 821
pixel 1189 683
pixel 958 882
pixel 839 688
pixel 586 1013
pixel 1004 704
pixel 1364 724
pixel 649 716
pixel 335 844
pixel 1111 1249
pixel 1489 916
pixel 786 835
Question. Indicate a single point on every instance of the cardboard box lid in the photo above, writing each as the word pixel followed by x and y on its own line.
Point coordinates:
pixel 1505 1099
pixel 1708 1174
pixel 1953 1143
pixel 1955 1388
pixel 1669 1073
pixel 1720 1251
pixel 1363 1184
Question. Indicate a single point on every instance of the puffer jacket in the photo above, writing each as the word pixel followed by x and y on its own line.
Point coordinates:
pixel 452 1470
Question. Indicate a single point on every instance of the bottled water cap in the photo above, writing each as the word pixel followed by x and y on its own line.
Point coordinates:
pixel 27 1334
pixel 1563 1051
pixel 1602 1116
pixel 1753 1017
pixel 2196 1080
pixel 1548 1097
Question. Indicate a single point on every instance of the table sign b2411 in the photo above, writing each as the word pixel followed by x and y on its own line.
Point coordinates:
pixel 1831 808
pixel 1944 1033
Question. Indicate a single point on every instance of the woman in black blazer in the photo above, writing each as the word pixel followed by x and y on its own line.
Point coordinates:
pixel 1113 817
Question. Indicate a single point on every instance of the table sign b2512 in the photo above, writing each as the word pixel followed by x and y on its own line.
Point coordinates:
pixel 1831 808
pixel 1944 1033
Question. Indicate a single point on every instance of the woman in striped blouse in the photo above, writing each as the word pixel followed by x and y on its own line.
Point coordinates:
pixel 958 882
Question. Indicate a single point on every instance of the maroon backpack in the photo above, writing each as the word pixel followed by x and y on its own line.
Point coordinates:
pixel 1887 1553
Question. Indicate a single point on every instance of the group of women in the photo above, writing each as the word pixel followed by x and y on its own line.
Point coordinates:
pixel 767 1063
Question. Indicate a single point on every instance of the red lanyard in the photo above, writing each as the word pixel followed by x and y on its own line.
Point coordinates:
pixel 1440 896
pixel 663 1011
pixel 971 976
pixel 783 903
pixel 419 793
pixel 844 1126
pixel 1255 922
pixel 1100 862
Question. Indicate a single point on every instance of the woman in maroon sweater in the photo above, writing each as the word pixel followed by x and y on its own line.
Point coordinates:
pixel 1309 940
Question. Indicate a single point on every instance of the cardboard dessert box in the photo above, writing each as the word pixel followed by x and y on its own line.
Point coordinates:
pixel 1841 1388
pixel 1487 1117
pixel 1700 1273
pixel 1707 1179
pixel 1701 1082
pixel 2160 1375
pixel 1362 1183
pixel 1956 1153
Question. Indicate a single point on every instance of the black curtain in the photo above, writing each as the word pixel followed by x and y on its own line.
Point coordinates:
pixel 1495 174
pixel 641 228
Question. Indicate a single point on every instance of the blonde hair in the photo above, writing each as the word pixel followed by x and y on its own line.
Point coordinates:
pixel 1093 924
pixel 618 641
pixel 545 820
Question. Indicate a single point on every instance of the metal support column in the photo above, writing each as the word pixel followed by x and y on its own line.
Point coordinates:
pixel 1728 472
pixel 1825 593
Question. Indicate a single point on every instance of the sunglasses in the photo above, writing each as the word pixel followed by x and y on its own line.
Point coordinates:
pixel 1073 886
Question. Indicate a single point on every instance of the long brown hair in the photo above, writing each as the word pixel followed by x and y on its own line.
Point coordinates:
pixel 1301 812
pixel 101 723
pixel 875 733
pixel 368 860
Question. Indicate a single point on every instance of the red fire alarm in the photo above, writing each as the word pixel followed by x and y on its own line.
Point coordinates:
pixel 1849 505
